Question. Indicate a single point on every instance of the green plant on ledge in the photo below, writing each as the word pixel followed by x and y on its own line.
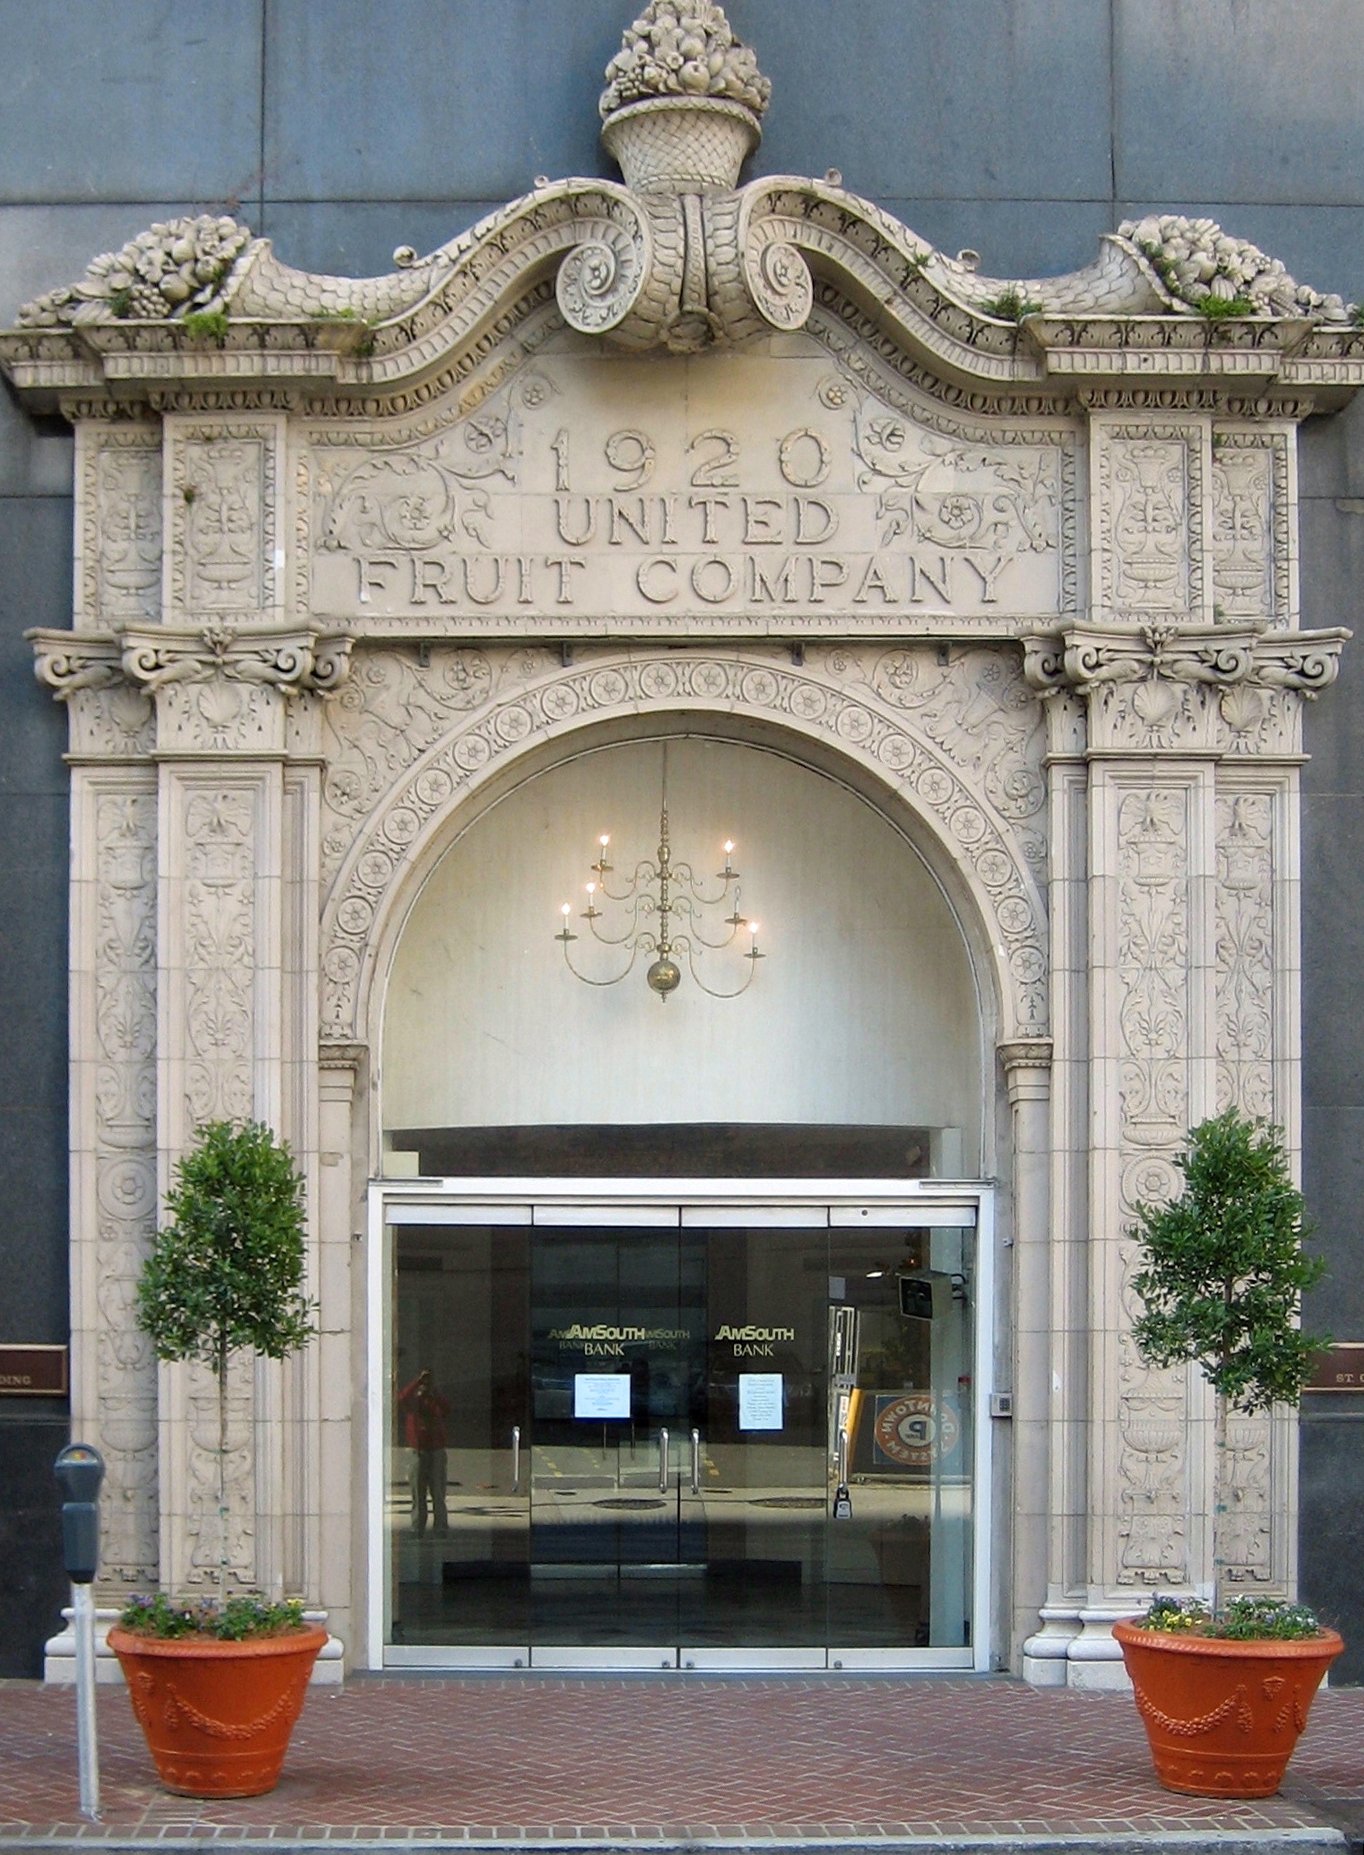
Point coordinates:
pixel 1011 305
pixel 1221 1278
pixel 1223 308
pixel 206 325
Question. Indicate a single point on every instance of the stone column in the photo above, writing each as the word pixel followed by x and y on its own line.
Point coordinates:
pixel 1027 1072
pixel 342 1152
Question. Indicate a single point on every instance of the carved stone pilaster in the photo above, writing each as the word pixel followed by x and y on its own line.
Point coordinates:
pixel 113 1175
pixel 1256 942
pixel 1152 1005
pixel 218 1009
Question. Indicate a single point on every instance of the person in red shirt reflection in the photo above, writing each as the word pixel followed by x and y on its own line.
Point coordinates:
pixel 424 1413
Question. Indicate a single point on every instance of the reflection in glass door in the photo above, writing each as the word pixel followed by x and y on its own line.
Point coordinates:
pixel 684 1445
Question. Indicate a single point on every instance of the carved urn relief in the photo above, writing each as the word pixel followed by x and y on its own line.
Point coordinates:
pixel 683 100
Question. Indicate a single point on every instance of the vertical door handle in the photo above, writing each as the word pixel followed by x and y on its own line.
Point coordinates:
pixel 516 1458
pixel 663 1462
pixel 843 1458
pixel 696 1462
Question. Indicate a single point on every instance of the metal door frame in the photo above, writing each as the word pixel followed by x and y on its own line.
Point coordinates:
pixel 674 1204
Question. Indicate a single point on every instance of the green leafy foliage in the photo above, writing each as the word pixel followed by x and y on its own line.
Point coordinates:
pixel 1223 1270
pixel 238 1620
pixel 1221 308
pixel 1244 1619
pixel 1011 305
pixel 206 325
pixel 228 1270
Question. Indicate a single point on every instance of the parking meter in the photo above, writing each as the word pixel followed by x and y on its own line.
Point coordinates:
pixel 80 1470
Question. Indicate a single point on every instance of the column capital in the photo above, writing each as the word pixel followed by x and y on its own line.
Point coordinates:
pixel 1026 1062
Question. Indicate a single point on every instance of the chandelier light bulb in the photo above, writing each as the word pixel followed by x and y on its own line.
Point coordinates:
pixel 566 910
pixel 729 846
pixel 604 839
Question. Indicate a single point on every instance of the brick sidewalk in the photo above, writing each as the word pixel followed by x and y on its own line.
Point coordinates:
pixel 687 1759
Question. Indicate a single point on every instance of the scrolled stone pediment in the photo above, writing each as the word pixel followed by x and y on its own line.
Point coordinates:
pixel 678 259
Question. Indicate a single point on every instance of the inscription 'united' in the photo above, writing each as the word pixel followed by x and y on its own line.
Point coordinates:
pixel 743 493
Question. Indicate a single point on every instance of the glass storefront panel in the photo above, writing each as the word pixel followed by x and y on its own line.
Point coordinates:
pixel 743 1437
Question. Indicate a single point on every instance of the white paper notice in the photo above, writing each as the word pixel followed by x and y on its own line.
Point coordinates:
pixel 760 1400
pixel 601 1394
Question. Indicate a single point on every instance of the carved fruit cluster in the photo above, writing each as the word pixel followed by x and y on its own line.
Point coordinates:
pixel 171 269
pixel 683 48
pixel 1212 272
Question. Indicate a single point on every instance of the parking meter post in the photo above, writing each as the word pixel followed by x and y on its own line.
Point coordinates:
pixel 80 1471
pixel 83 1607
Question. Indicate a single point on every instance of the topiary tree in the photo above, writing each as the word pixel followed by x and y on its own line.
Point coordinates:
pixel 227 1272
pixel 1222 1277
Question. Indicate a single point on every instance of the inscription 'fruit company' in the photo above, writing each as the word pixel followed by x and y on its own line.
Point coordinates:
pixel 809 499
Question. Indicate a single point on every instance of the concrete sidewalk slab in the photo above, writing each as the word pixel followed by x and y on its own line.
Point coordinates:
pixel 539 1762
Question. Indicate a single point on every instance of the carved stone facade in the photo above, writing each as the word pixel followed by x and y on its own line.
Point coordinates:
pixel 1017 558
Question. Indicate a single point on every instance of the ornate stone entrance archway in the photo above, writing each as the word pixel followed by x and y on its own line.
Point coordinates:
pixel 1023 552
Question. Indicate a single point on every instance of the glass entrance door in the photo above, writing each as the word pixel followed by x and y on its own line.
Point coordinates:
pixel 618 1353
pixel 717 1440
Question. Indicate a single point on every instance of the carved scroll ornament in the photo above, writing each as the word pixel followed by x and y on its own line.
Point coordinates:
pixel 299 660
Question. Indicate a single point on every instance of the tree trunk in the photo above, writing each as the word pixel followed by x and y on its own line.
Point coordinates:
pixel 221 1368
pixel 1219 1502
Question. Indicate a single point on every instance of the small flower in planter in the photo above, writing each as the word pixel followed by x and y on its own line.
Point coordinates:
pixel 1244 1619
pixel 240 1619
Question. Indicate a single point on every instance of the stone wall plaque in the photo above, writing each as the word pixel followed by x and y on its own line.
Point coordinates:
pixel 33 1371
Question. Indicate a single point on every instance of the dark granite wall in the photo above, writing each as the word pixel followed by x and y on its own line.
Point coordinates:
pixel 1022 128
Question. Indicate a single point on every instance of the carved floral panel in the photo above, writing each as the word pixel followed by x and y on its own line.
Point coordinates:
pixel 1148 499
pixel 223 519
pixel 118 524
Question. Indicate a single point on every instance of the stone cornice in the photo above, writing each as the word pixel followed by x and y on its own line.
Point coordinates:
pixel 654 268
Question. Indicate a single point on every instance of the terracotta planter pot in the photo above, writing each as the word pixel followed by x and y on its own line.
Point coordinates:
pixel 217 1715
pixel 1223 1717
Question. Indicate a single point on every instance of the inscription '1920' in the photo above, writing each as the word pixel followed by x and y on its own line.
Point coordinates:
pixel 942 536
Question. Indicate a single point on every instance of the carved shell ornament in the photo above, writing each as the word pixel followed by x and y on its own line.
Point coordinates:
pixel 680 257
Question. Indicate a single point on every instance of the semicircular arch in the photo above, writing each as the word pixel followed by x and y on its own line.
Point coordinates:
pixel 942 766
